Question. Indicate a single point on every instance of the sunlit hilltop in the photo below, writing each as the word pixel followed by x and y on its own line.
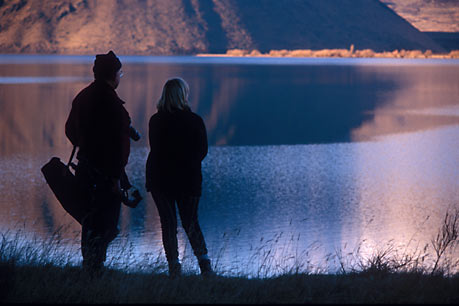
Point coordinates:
pixel 428 15
pixel 164 27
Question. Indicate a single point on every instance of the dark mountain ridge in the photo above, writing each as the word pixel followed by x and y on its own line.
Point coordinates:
pixel 448 40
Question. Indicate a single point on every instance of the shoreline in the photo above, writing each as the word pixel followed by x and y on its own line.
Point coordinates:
pixel 204 58
pixel 350 53
pixel 337 53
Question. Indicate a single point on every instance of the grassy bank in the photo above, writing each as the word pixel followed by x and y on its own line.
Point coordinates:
pixel 28 275
pixel 50 284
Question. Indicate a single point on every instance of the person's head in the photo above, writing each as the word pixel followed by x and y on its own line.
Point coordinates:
pixel 107 67
pixel 174 96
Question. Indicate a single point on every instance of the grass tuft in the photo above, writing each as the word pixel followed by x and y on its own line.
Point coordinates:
pixel 389 275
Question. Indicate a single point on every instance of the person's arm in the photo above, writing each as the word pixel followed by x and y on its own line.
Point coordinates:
pixel 203 145
pixel 118 139
pixel 124 181
pixel 71 125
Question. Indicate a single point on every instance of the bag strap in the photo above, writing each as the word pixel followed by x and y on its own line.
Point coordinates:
pixel 71 156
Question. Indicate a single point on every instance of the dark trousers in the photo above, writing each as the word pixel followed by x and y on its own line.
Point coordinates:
pixel 188 210
pixel 100 225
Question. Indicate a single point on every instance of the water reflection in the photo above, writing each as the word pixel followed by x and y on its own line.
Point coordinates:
pixel 40 80
pixel 296 164
pixel 428 99
pixel 241 104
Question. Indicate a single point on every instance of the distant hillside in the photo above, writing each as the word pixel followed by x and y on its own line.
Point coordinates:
pixel 164 27
pixel 428 15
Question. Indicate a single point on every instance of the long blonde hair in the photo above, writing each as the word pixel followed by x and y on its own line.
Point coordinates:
pixel 174 96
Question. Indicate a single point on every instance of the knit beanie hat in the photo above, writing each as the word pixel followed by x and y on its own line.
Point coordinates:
pixel 106 66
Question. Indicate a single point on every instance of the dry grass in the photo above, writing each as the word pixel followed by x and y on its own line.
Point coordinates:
pixel 390 275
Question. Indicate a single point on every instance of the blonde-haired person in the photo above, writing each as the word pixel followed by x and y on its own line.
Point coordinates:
pixel 178 144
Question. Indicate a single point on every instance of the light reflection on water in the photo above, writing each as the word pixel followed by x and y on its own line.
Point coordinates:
pixel 314 158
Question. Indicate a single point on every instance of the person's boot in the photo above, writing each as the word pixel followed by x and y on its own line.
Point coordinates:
pixel 206 268
pixel 94 255
pixel 93 269
pixel 175 269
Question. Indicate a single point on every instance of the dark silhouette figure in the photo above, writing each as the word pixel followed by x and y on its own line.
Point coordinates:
pixel 100 126
pixel 178 142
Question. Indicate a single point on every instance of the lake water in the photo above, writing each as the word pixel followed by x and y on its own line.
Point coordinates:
pixel 308 158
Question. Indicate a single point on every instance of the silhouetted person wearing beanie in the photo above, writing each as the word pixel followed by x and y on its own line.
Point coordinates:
pixel 178 142
pixel 99 126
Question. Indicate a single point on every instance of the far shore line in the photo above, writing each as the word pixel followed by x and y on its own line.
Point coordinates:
pixel 337 53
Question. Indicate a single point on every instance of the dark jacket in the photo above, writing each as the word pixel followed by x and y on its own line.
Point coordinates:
pixel 178 144
pixel 99 125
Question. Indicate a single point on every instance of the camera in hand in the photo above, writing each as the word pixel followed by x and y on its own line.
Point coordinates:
pixel 133 133
pixel 132 200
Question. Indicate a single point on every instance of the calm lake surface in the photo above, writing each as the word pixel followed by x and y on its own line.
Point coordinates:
pixel 308 158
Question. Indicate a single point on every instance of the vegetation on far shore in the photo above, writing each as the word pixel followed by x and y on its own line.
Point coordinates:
pixel 345 53
pixel 430 275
